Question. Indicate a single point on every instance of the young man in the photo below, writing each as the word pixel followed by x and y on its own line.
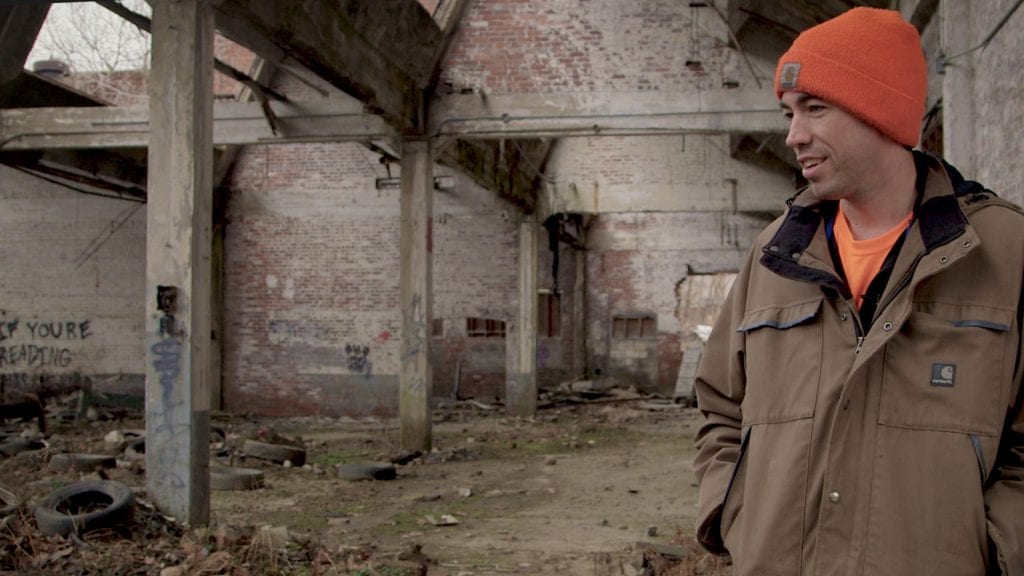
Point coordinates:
pixel 861 386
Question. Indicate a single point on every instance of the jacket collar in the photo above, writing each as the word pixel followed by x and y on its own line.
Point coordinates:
pixel 799 248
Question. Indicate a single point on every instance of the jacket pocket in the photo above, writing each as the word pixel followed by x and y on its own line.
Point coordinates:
pixel 732 501
pixel 947 370
pixel 782 362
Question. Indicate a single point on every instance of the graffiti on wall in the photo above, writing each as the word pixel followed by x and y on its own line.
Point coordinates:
pixel 357 359
pixel 39 344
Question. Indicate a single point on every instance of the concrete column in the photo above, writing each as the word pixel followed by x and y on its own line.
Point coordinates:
pixel 579 316
pixel 415 379
pixel 178 238
pixel 958 116
pixel 521 380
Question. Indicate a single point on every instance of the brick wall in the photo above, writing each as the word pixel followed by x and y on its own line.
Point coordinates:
pixel 74 271
pixel 634 259
pixel 312 283
pixel 475 276
pixel 548 46
pixel 635 262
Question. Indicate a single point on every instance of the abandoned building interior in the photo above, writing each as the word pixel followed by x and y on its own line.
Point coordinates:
pixel 351 208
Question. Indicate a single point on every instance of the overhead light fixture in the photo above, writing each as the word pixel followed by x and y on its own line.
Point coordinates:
pixel 440 183
pixel 389 183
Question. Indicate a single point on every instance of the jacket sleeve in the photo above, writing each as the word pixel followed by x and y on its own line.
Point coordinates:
pixel 719 387
pixel 1004 493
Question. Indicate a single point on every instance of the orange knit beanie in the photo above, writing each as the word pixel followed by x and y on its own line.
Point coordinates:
pixel 868 61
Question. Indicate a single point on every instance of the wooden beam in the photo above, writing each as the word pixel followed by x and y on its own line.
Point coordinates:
pixel 330 119
pixel 448 15
pixel 509 168
pixel 122 171
pixel 31 90
pixel 616 114
pixel 19 26
pixel 380 52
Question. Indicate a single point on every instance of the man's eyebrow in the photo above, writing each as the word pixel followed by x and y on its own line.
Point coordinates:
pixel 801 98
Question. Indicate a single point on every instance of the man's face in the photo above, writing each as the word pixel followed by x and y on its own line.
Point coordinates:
pixel 838 154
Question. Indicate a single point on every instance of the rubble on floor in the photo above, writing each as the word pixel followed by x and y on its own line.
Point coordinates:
pixel 110 448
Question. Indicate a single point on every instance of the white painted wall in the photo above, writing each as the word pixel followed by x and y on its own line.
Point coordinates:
pixel 71 293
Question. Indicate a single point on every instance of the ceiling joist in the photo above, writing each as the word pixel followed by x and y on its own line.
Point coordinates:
pixel 380 52
pixel 234 123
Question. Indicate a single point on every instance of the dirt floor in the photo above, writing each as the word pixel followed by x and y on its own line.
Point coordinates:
pixel 597 488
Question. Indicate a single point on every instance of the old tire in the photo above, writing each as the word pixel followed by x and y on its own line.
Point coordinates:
pixel 85 506
pixel 19 445
pixel 135 451
pixel 80 462
pixel 367 471
pixel 9 502
pixel 279 453
pixel 231 478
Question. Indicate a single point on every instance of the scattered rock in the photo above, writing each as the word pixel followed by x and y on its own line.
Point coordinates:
pixel 114 441
pixel 550 460
pixel 443 520
pixel 273 536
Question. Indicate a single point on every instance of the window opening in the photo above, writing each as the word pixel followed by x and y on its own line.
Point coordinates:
pixel 634 327
pixel 485 328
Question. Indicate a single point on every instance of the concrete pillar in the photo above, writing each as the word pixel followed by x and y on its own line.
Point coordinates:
pixel 958 115
pixel 521 379
pixel 217 317
pixel 415 379
pixel 579 316
pixel 178 238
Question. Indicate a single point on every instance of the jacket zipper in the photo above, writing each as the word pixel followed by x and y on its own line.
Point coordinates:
pixel 858 330
pixel 904 281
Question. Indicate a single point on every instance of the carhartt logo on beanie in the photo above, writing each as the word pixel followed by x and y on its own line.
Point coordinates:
pixel 869 61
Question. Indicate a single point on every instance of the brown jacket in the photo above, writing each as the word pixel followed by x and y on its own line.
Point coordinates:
pixel 891 445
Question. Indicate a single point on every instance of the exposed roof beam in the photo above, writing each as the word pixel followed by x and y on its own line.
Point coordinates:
pixel 146 25
pixel 263 73
pixel 555 115
pixel 381 52
pixel 510 168
pixel 31 90
pixel 118 173
pixel 234 123
pixel 19 26
pixel 448 15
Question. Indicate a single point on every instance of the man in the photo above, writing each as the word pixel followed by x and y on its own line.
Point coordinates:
pixel 860 388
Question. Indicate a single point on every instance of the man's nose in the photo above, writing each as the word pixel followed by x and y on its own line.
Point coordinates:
pixel 798 134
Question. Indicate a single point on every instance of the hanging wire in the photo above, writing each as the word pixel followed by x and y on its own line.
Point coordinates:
pixel 991 35
pixel 96 243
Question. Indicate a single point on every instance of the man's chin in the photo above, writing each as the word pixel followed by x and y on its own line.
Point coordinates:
pixel 822 192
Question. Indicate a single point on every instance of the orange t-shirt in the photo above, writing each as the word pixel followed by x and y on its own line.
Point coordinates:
pixel 862 259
